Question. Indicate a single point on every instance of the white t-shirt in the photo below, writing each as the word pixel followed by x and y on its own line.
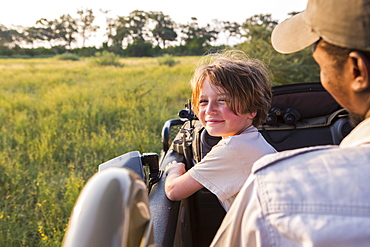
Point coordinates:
pixel 224 170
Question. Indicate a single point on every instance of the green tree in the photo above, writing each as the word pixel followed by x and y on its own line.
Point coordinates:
pixel 10 37
pixel 86 21
pixel 202 35
pixel 137 21
pixel 231 29
pixel 121 33
pixel 130 29
pixel 209 34
pixel 33 35
pixel 139 48
pixel 164 28
pixel 67 29
pixel 259 27
pixel 297 67
pixel 48 32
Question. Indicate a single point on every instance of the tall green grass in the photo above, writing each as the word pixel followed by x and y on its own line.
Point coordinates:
pixel 60 119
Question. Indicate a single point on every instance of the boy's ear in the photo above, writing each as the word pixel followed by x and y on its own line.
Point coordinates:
pixel 253 114
pixel 360 65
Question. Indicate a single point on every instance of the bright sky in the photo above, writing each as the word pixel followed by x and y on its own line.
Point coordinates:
pixel 27 12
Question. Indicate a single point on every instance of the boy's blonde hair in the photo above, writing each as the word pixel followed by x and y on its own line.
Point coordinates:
pixel 246 82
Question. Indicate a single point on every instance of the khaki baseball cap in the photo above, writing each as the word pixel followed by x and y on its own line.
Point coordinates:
pixel 344 23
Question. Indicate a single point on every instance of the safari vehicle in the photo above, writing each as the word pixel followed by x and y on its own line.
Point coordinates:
pixel 125 203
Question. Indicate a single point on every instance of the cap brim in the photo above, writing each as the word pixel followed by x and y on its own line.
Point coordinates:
pixel 293 35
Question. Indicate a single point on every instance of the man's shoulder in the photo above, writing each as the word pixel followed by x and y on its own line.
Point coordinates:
pixel 327 157
pixel 272 159
pixel 301 180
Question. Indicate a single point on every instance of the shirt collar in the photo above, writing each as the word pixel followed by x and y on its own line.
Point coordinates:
pixel 358 136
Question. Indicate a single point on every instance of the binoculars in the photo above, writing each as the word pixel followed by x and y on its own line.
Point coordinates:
pixel 289 116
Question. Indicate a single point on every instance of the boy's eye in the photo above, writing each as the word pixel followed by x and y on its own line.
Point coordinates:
pixel 203 102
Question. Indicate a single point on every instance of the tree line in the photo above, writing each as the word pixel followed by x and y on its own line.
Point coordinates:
pixel 145 30
pixel 155 34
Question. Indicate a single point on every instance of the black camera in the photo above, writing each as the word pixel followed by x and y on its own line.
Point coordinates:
pixel 188 112
pixel 289 116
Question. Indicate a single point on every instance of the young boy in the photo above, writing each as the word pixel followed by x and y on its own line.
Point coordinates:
pixel 231 96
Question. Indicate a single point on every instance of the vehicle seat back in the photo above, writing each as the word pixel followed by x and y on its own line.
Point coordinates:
pixel 112 210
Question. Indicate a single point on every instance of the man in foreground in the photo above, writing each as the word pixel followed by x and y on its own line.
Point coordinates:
pixel 318 196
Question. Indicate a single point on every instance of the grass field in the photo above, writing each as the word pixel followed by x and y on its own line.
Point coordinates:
pixel 60 119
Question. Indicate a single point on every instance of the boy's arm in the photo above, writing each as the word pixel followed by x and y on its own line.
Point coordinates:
pixel 179 184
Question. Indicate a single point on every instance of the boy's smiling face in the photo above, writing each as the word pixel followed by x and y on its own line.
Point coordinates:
pixel 216 116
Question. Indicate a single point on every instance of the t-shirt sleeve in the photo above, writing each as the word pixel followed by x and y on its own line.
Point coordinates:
pixel 224 170
pixel 221 171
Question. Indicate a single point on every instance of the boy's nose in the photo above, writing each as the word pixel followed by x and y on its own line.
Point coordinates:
pixel 211 108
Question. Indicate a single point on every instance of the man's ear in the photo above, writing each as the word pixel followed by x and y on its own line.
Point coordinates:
pixel 360 69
